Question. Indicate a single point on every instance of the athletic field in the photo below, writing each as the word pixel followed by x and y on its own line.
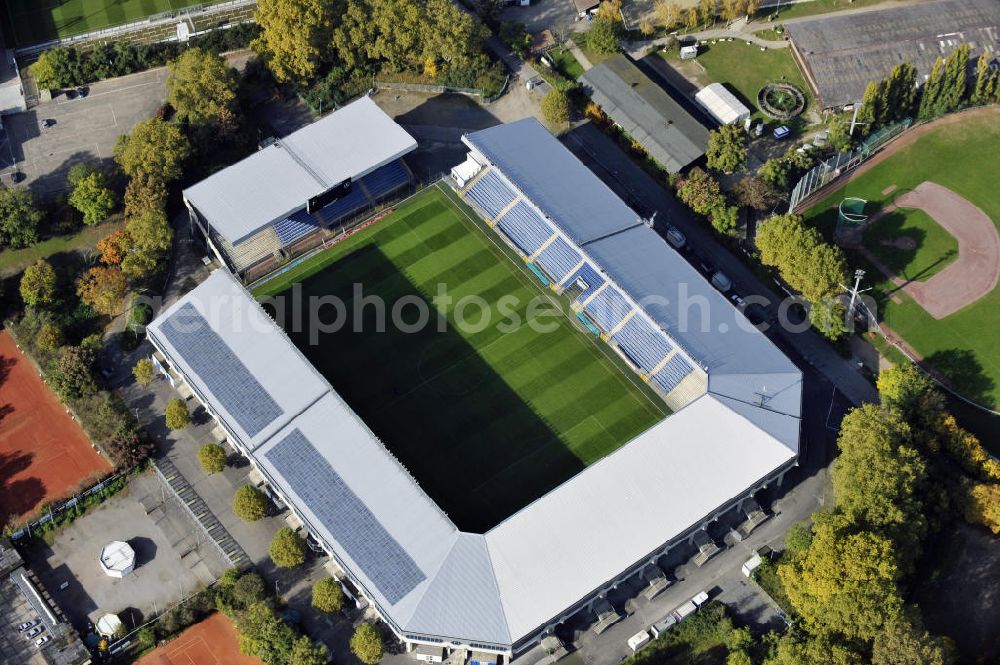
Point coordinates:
pixel 34 21
pixel 961 153
pixel 486 419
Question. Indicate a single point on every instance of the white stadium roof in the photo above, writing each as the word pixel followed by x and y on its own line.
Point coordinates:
pixel 721 104
pixel 277 180
pixel 499 588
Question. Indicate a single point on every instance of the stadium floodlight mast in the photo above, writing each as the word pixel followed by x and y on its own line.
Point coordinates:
pixel 855 292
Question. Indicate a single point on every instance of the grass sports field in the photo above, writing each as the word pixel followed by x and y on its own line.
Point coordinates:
pixel 891 238
pixel 486 419
pixel 35 21
pixel 961 153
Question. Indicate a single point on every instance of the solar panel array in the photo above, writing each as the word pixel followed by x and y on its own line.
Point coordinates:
pixel 223 373
pixel 382 559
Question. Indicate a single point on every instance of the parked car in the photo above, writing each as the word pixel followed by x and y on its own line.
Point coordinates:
pixel 83 91
pixel 781 132
pixel 676 238
pixel 47 122
pixel 34 631
pixel 21 627
pixel 721 281
pixel 42 640
pixel 736 299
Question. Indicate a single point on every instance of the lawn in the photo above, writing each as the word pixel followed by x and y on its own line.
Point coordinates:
pixel 745 69
pixel 34 21
pixel 934 249
pixel 964 156
pixel 487 417
pixel 566 62
pixel 811 7
pixel 15 260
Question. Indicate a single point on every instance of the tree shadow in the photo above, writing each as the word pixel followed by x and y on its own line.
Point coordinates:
pixel 965 373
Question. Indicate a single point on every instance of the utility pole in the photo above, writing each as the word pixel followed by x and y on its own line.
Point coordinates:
pixel 858 274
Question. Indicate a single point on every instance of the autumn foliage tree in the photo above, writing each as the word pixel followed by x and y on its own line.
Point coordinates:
pixel 201 86
pixel 103 288
pixel 154 149
pixel 727 149
pixel 293 37
pixel 38 285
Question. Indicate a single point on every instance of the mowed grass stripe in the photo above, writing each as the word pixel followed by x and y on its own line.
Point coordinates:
pixel 486 420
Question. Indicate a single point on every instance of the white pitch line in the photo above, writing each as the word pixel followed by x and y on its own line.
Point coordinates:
pixel 107 92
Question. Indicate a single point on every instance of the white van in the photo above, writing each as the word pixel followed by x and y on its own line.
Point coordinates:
pixel 676 238
pixel 662 626
pixel 638 641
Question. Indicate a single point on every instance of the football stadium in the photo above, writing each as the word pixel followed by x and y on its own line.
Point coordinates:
pixel 481 485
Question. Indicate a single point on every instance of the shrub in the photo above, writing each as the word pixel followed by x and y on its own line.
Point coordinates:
pixel 144 372
pixel 249 503
pixel 287 549
pixel 555 107
pixel 212 457
pixel 328 596
pixel 366 644
pixel 178 415
pixel 603 36
pixel 248 589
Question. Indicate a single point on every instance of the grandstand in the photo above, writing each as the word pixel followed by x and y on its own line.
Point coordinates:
pixel 296 189
pixel 735 429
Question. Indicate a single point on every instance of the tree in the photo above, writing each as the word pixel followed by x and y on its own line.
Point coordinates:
pixel 19 218
pixel 691 20
pixel 264 634
pixel 981 504
pixel 727 149
pixel 954 89
pixel 933 86
pixel 177 414
pixel 155 149
pixel 90 195
pixel 38 285
pixel 328 595
pixel 294 37
pixel 798 648
pixel 846 582
pixel 809 265
pixel 248 590
pixel 878 476
pixel 777 172
pixel 143 195
pixel 900 92
pixel 72 375
pixel 903 643
pixel 839 135
pixel 706 11
pixel 701 192
pixel 603 36
pixel 738 658
pixel 103 288
pixel 212 458
pixel 53 69
pixel 757 193
pixel 609 10
pixel 201 86
pixel 249 503
pixel 555 107
pixel 113 248
pixel 987 77
pixel 904 387
pixel 144 372
pixel 669 14
pixel 150 239
pixel 49 338
pixel 733 9
pixel 287 549
pixel 307 652
pixel 366 644
pixel 752 6
pixel 725 219
pixel 871 106
pixel 516 36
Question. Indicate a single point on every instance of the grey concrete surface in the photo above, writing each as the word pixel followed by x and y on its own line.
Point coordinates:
pixel 85 130
pixel 173 557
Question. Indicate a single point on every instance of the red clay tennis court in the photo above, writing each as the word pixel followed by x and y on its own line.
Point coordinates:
pixel 213 641
pixel 44 453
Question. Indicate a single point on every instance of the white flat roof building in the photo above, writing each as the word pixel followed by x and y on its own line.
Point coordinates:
pixel 722 104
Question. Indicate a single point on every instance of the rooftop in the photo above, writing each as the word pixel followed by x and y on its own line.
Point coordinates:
pixel 277 180
pixel 664 128
pixel 843 53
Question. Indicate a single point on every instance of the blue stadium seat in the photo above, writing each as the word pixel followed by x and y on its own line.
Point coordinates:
pixel 642 342
pixel 672 373
pixel 341 208
pixel 608 308
pixel 385 179
pixel 491 194
pixel 525 228
pixel 558 259
pixel 590 277
pixel 294 227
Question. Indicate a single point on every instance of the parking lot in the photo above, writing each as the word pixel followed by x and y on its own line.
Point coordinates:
pixel 15 647
pixel 174 558
pixel 84 129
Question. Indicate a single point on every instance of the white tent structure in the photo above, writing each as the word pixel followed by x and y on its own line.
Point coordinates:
pixel 117 559
pixel 721 104
pixel 109 625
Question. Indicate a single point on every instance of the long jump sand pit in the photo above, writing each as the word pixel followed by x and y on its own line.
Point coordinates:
pixel 213 641
pixel 44 454
pixel 973 274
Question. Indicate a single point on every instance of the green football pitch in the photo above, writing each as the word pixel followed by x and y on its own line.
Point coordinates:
pixel 35 21
pixel 963 154
pixel 486 418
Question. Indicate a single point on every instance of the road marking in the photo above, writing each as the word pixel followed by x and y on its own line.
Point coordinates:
pixel 107 92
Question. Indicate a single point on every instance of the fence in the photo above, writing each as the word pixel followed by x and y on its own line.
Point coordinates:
pixel 54 512
pixel 157 27
pixel 440 89
pixel 825 172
